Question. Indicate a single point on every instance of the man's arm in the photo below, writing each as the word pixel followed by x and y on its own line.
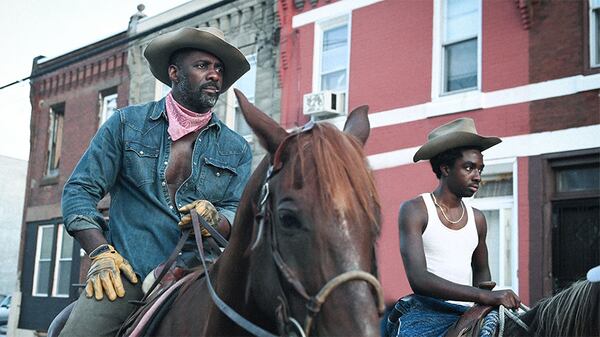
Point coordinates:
pixel 412 221
pixel 90 181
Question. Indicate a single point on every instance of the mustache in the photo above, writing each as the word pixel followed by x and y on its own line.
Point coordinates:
pixel 210 85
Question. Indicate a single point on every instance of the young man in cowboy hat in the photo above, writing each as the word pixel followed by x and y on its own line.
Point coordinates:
pixel 158 161
pixel 442 240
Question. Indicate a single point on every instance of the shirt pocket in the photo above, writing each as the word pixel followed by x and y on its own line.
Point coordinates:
pixel 141 163
pixel 215 178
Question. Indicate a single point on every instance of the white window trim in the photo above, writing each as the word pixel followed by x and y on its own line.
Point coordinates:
pixel 38 251
pixel 437 66
pixel 320 27
pixel 103 103
pixel 57 260
pixel 505 165
pixel 594 59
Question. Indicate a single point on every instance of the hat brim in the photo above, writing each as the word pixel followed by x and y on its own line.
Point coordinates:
pixel 453 140
pixel 159 52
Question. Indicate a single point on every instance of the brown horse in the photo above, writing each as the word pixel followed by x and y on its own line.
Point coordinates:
pixel 309 213
pixel 574 311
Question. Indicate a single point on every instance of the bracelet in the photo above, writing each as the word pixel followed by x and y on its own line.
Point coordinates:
pixel 103 248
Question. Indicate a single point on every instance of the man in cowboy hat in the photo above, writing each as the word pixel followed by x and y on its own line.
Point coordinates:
pixel 158 161
pixel 442 240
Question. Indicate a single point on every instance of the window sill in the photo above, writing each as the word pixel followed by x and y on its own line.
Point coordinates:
pixel 49 180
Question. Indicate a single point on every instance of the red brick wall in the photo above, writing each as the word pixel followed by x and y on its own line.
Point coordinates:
pixel 564 112
pixel 556 40
pixel 77 86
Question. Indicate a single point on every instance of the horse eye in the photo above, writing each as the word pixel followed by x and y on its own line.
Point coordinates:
pixel 288 219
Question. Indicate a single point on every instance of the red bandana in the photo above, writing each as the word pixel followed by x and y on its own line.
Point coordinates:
pixel 183 121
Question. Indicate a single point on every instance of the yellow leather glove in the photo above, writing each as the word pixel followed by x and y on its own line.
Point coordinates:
pixel 205 209
pixel 104 275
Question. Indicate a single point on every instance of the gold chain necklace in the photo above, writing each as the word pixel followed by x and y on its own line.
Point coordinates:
pixel 462 206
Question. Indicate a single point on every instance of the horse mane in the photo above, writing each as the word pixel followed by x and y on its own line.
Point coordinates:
pixel 574 311
pixel 344 178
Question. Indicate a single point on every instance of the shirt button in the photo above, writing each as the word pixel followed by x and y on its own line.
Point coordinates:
pixel 171 207
pixel 142 153
pixel 166 162
pixel 218 174
pixel 164 183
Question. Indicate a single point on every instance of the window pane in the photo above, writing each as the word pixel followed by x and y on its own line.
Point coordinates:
pixel 335 49
pixel 63 279
pixel 247 83
pixel 461 19
pixel 578 179
pixel 334 81
pixel 47 234
pixel 595 3
pixel 461 65
pixel 109 105
pixel 66 250
pixel 507 253
pixel 495 186
pixel 43 277
pixel 240 123
pixel 493 242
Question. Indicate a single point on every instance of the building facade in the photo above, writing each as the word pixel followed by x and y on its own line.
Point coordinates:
pixel 526 71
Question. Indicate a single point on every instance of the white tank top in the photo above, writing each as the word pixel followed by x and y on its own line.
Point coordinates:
pixel 449 252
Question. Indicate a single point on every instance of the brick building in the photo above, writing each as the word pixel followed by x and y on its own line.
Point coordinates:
pixel 526 71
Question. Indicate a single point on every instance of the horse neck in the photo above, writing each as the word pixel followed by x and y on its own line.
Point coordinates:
pixel 231 269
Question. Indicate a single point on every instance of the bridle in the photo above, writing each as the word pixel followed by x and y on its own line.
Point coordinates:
pixel 313 304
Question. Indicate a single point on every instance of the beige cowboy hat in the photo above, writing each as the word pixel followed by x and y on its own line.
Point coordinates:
pixel 208 39
pixel 457 133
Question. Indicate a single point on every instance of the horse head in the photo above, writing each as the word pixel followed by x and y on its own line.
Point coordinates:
pixel 315 222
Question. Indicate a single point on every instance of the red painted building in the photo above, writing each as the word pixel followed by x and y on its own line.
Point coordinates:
pixel 526 71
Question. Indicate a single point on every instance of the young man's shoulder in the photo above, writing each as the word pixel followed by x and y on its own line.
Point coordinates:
pixel 413 211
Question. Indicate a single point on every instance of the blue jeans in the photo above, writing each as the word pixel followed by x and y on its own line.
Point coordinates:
pixel 430 317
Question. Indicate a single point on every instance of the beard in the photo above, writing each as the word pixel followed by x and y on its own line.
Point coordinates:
pixel 197 99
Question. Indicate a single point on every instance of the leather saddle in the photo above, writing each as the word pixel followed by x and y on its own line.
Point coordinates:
pixel 469 324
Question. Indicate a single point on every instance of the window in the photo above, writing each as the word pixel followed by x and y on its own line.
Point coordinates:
pixel 247 84
pixel 108 104
pixel 55 129
pixel 332 51
pixel 595 33
pixel 52 273
pixel 63 261
pixel 461 23
pixel 496 199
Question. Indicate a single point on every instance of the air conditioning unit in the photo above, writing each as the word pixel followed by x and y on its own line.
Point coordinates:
pixel 323 103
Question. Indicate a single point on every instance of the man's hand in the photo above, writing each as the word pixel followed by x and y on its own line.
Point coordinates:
pixel 205 209
pixel 506 298
pixel 104 275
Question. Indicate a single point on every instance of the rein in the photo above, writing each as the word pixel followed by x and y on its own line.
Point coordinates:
pixel 503 312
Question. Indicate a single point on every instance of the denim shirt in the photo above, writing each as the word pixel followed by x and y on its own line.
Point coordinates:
pixel 128 158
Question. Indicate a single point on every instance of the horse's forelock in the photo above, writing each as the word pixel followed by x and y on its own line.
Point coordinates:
pixel 345 183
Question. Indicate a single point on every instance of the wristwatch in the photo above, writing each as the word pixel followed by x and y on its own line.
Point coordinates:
pixel 103 248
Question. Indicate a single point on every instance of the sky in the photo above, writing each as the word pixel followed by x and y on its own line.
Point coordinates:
pixel 50 28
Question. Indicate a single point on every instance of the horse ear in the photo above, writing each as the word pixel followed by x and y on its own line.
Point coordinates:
pixel 357 123
pixel 269 133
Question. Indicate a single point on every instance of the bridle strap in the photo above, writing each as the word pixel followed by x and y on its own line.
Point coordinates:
pixel 315 303
pixel 225 309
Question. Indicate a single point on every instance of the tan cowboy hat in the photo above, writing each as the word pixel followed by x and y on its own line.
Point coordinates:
pixel 457 133
pixel 208 39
